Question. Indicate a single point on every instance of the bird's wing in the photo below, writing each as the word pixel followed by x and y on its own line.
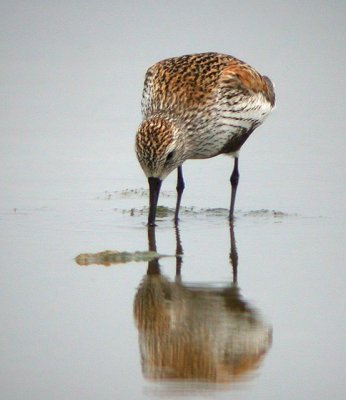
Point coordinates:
pixel 239 77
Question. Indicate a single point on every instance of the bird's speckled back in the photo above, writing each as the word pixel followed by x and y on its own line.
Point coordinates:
pixel 216 99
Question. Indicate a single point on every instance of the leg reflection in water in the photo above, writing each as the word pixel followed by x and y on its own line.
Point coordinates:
pixel 197 332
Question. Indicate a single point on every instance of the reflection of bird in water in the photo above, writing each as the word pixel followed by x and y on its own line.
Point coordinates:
pixel 195 107
pixel 196 332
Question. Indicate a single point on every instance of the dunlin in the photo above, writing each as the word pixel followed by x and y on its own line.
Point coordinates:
pixel 194 107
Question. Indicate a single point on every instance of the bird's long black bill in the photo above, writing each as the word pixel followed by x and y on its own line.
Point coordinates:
pixel 154 192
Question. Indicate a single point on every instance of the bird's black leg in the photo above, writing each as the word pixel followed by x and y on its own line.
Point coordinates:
pixel 180 189
pixel 234 183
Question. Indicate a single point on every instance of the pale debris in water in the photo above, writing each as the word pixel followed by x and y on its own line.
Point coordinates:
pixel 109 257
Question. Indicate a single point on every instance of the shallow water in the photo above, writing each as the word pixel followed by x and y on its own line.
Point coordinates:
pixel 249 312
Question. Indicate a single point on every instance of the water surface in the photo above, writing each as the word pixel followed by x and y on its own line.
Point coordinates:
pixel 212 320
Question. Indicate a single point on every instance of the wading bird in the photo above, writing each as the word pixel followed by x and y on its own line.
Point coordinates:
pixel 194 107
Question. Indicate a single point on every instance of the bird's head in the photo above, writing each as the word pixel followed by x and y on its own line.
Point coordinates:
pixel 160 150
pixel 158 147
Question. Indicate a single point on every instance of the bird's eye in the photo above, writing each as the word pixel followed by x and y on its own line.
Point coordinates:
pixel 170 156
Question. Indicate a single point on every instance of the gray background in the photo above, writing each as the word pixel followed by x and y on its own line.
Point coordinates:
pixel 72 75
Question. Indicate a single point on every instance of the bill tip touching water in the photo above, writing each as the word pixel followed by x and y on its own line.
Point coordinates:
pixel 197 107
